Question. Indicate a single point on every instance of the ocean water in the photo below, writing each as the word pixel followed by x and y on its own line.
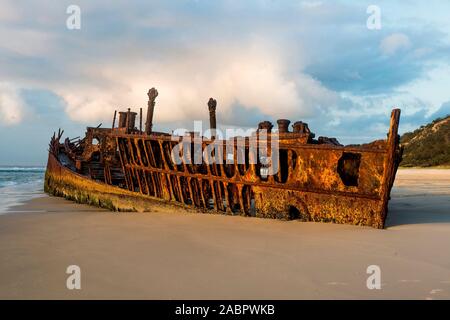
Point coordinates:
pixel 19 184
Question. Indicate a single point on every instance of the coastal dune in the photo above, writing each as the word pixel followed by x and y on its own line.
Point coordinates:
pixel 171 253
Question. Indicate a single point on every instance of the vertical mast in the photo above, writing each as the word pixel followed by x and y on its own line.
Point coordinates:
pixel 152 94
pixel 212 116
pixel 114 119
pixel 140 120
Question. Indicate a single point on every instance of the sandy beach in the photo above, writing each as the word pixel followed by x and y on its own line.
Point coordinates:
pixel 174 254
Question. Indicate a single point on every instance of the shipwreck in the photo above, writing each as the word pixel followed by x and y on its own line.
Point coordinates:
pixel 130 168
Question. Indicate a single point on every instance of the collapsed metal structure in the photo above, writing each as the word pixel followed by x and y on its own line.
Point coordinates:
pixel 128 168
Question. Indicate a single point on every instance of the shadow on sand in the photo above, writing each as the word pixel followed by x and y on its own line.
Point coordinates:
pixel 418 209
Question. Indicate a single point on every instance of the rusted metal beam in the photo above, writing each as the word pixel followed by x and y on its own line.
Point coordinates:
pixel 212 104
pixel 140 120
pixel 114 119
pixel 152 94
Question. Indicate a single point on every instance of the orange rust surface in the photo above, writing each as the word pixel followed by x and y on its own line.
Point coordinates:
pixel 63 182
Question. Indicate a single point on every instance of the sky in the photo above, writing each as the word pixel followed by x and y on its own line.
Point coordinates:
pixel 315 61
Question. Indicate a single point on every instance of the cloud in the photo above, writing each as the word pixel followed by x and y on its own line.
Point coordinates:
pixel 310 60
pixel 311 4
pixel 112 62
pixel 11 105
pixel 9 12
pixel 251 74
pixel 443 111
pixel 393 43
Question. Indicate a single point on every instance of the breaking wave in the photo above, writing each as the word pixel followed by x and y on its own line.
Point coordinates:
pixel 22 169
pixel 18 184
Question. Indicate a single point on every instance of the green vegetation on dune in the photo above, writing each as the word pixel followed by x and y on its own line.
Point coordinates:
pixel 427 146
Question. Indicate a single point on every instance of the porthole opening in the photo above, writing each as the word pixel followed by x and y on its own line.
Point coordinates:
pixel 348 168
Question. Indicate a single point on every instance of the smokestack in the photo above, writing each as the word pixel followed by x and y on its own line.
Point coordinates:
pixel 301 127
pixel 212 116
pixel 123 119
pixel 265 125
pixel 131 120
pixel 152 94
pixel 283 125
pixel 128 120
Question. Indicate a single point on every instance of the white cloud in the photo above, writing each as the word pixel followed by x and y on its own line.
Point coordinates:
pixel 247 70
pixel 311 4
pixel 433 88
pixel 26 42
pixel 9 12
pixel 394 43
pixel 251 74
pixel 11 105
pixel 255 59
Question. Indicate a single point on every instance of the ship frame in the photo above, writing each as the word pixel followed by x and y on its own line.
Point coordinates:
pixel 124 168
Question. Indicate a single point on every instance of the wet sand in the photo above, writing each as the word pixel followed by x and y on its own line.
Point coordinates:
pixel 173 254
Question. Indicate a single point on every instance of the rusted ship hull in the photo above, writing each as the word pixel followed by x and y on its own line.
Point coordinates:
pixel 128 169
pixel 63 182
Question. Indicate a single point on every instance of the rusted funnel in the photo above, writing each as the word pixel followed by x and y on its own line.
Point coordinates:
pixel 123 119
pixel 131 120
pixel 265 125
pixel 301 127
pixel 283 125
